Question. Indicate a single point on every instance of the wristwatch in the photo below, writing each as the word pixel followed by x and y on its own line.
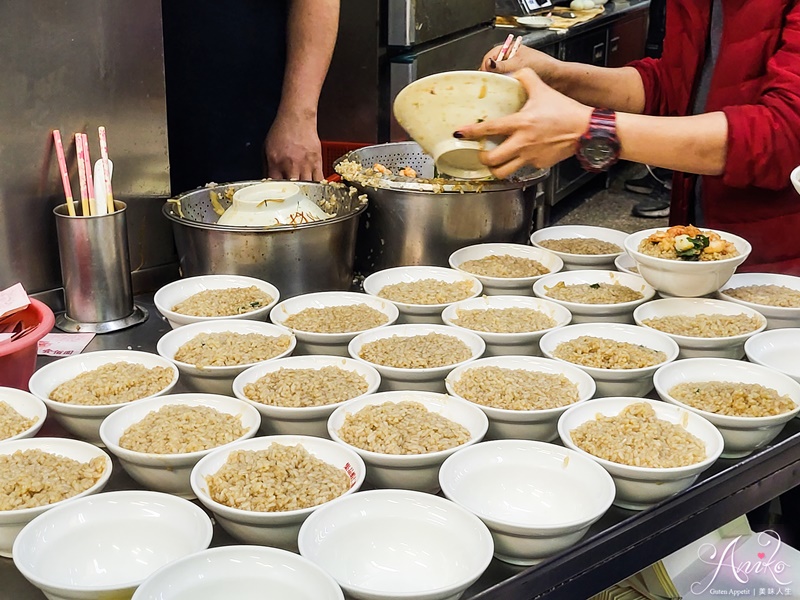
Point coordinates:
pixel 598 148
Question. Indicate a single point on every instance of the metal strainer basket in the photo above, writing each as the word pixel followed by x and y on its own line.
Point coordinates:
pixel 396 156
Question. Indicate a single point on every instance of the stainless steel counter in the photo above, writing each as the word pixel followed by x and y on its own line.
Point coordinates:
pixel 620 544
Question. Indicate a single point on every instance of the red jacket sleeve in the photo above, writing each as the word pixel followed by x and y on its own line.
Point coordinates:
pixel 655 102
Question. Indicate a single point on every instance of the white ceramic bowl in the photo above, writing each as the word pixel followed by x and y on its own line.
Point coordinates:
pixel 104 546
pixel 525 424
pixel 641 487
pixel 777 349
pixel 626 264
pixel 12 521
pixel 418 313
pixel 621 312
pixel 742 435
pixel 535 21
pixel 795 179
pixel 217 380
pixel 178 291
pixel 686 278
pixel 277 529
pixel 429 379
pixel 391 544
pixel 536 498
pixel 697 347
pixel 500 286
pixel 777 316
pixel 509 343
pixel 26 405
pixel 309 420
pixel 574 262
pixel 82 420
pixel 309 342
pixel 169 472
pixel 411 471
pixel 430 109
pixel 240 573
pixel 615 382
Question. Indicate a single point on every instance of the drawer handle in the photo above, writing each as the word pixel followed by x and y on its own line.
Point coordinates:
pixel 613 44
pixel 597 52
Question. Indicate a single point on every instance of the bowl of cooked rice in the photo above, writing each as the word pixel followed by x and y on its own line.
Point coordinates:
pixel 416 356
pixel 581 246
pixel 82 390
pixel 595 296
pixel 508 324
pixel 522 396
pixel 702 327
pixel 777 349
pixel 749 404
pixel 404 436
pixel 211 297
pixel 505 269
pixel 774 295
pixel 621 358
pixel 210 355
pixel 158 441
pixel 651 449
pixel 421 293
pixel 684 261
pixel 297 394
pixel 300 472
pixel 398 544
pixel 536 498
pixel 325 322
pixel 38 474
pixel 21 414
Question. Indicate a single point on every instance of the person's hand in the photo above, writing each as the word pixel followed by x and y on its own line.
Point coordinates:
pixel 293 149
pixel 544 64
pixel 545 131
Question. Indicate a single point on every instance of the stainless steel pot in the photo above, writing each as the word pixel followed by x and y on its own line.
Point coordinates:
pixel 297 259
pixel 422 220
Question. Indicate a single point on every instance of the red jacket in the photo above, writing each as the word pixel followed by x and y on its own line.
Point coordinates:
pixel 757 85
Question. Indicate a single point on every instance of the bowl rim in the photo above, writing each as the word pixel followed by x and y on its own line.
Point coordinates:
pixel 632 243
pixel 511 248
pixel 775 311
pixel 537 235
pixel 698 467
pixel 762 335
pixel 648 291
pixel 426 272
pixel 23 397
pixel 539 446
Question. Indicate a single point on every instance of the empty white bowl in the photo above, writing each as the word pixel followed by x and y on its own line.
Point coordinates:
pixel 777 316
pixel 536 498
pixel 621 312
pixel 390 544
pixel 694 346
pixel 429 379
pixel 279 528
pixel 240 573
pixel 525 424
pixel 178 291
pixel 641 487
pixel 419 313
pixel 626 264
pixel 212 379
pixel 268 203
pixel 777 349
pixel 795 179
pixel 26 405
pixel 411 471
pixel 742 435
pixel 615 382
pixel 169 472
pixel 12 521
pixel 83 420
pixel 499 286
pixel 535 21
pixel 526 343
pixel 431 108
pixel 104 546
pixel 308 420
pixel 582 261
pixel 686 278
pixel 310 342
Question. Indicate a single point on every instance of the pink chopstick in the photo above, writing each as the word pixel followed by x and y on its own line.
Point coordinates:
pixel 101 131
pixel 88 168
pixel 506 45
pixel 82 175
pixel 514 48
pixel 62 167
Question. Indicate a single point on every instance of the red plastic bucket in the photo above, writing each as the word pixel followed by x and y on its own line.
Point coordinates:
pixel 18 358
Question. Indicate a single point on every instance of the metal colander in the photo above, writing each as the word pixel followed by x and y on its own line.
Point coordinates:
pixel 397 155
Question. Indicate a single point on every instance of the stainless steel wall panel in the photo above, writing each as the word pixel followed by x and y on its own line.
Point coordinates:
pixel 414 22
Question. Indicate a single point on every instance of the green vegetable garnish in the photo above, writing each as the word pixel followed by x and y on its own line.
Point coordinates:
pixel 255 304
pixel 594 286
pixel 693 253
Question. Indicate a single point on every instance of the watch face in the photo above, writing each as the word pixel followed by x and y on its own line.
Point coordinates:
pixel 598 151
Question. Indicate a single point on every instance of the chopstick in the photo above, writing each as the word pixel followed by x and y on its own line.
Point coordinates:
pixel 515 47
pixel 89 177
pixel 101 131
pixel 62 167
pixel 82 175
pixel 506 45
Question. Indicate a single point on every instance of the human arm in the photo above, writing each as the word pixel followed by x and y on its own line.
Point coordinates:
pixel 292 146
pixel 615 88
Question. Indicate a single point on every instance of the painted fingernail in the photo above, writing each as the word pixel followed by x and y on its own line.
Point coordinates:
pixel 492 64
pixel 458 135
